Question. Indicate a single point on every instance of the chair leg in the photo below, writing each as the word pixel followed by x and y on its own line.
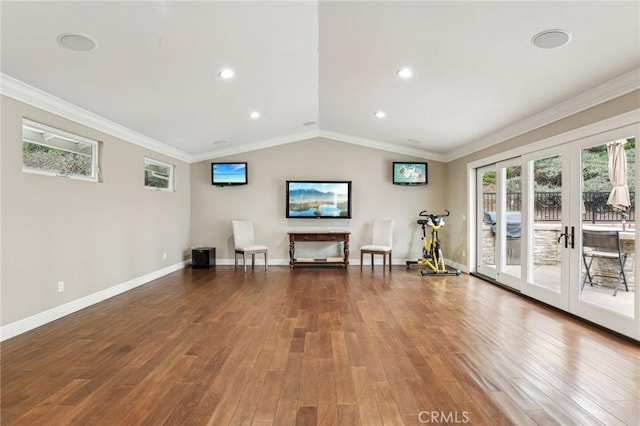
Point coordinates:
pixel 265 261
pixel 622 260
pixel 384 262
pixel 390 260
pixel 624 277
pixel 587 273
pixel 244 262
pixel 372 260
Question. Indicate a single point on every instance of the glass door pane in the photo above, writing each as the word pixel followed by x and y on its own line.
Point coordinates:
pixel 487 211
pixel 510 223
pixel 607 269
pixel 499 195
pixel 547 225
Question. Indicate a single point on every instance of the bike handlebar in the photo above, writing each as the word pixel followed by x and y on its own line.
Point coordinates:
pixel 424 213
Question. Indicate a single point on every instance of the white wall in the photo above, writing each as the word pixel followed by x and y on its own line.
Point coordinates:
pixel 92 236
pixel 263 199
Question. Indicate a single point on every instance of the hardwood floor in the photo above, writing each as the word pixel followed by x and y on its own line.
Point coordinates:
pixel 318 346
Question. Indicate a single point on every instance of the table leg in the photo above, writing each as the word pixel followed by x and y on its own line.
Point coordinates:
pixel 292 252
pixel 346 253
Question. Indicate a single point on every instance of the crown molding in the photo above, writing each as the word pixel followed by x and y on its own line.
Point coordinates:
pixel 35 97
pixel 340 137
pixel 611 89
pixel 384 146
pixel 254 146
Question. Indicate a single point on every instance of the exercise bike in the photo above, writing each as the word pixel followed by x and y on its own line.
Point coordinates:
pixel 432 256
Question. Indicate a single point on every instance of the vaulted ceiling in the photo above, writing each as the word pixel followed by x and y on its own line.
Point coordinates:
pixel 318 68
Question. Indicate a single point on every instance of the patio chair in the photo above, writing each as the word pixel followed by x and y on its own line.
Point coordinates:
pixel 603 245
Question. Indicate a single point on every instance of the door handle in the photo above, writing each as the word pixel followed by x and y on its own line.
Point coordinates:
pixel 573 228
pixel 565 234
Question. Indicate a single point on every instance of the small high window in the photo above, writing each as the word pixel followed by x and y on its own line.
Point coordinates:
pixel 158 175
pixel 54 152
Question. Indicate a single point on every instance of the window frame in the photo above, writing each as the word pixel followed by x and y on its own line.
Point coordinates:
pixel 170 178
pixel 61 134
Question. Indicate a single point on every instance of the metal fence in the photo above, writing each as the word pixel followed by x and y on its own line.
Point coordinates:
pixel 548 206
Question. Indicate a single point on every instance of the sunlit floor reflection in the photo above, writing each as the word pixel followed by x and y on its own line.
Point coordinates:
pixel 602 296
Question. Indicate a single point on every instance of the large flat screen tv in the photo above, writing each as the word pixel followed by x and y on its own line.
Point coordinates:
pixel 229 174
pixel 318 199
pixel 409 173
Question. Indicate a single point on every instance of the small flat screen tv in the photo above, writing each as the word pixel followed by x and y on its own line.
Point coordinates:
pixel 409 173
pixel 229 174
pixel 318 199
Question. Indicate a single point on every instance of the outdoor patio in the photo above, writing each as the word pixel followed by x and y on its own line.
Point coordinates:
pixel 546 271
pixel 622 302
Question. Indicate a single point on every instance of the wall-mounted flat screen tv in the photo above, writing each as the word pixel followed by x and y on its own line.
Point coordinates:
pixel 315 199
pixel 229 174
pixel 409 173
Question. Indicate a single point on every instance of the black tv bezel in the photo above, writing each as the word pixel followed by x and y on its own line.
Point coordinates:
pixel 426 173
pixel 307 181
pixel 223 184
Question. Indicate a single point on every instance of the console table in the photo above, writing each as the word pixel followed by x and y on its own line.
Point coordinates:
pixel 318 237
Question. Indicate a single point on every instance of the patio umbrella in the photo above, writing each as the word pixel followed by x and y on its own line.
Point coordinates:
pixel 619 198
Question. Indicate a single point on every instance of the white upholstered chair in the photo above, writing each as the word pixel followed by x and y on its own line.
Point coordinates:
pixel 245 244
pixel 381 242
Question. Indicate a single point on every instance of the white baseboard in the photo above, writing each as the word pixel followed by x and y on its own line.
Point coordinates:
pixel 456 265
pixel 259 261
pixel 37 320
pixel 285 262
pixel 352 262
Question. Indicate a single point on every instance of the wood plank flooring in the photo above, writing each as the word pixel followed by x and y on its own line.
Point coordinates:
pixel 318 347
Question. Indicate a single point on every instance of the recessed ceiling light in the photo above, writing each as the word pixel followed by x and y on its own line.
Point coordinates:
pixel 77 42
pixel 551 39
pixel 404 73
pixel 254 115
pixel 308 123
pixel 380 114
pixel 226 73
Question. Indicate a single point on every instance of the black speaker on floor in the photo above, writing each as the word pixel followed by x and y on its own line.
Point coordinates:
pixel 203 257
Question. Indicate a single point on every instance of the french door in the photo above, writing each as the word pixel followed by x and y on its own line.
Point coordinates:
pixel 486 185
pixel 499 217
pixel 598 300
pixel 547 240
pixel 532 211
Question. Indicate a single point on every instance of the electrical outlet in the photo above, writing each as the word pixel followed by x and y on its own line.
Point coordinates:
pixel 60 286
pixel 164 256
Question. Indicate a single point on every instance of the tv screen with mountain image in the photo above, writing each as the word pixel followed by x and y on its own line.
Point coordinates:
pixel 313 199
pixel 229 174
